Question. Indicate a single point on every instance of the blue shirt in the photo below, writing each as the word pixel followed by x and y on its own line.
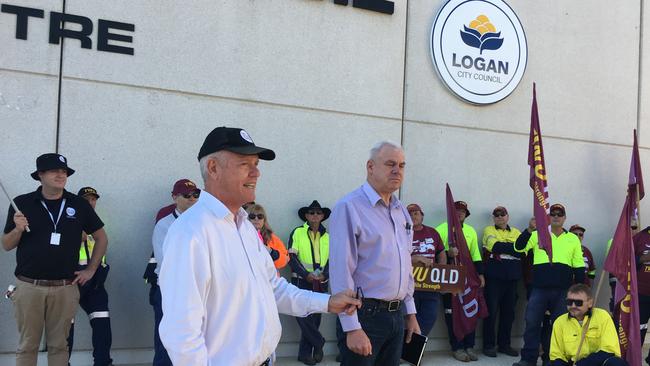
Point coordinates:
pixel 370 247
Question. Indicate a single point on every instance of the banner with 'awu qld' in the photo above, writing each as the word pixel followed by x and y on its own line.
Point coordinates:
pixel 445 278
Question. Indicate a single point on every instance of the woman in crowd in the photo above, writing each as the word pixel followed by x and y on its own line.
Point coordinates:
pixel 277 250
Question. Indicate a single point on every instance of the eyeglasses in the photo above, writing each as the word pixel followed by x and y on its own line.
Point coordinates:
pixel 500 215
pixel 557 214
pixel 190 195
pixel 580 234
pixel 315 212
pixel 254 216
pixel 577 302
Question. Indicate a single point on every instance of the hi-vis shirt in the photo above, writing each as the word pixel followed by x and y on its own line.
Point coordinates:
pixel 600 337
pixel 220 293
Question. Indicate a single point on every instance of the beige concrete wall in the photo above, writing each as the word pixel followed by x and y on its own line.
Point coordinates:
pixel 319 83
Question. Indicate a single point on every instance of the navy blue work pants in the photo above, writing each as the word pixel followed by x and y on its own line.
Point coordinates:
pixel 93 299
pixel 540 301
pixel 426 305
pixel 310 339
pixel 160 357
pixel 501 298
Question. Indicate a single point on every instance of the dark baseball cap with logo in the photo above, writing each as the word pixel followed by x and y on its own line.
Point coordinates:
pixel 557 207
pixel 51 161
pixel 414 207
pixel 499 210
pixel 88 190
pixel 184 186
pixel 235 140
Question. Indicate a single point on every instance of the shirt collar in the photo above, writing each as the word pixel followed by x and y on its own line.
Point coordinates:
pixel 321 228
pixel 587 314
pixel 374 197
pixel 219 209
pixel 38 194
pixel 507 227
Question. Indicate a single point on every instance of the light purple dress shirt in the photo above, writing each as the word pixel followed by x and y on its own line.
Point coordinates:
pixel 370 247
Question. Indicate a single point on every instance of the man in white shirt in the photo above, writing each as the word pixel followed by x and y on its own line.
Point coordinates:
pixel 221 294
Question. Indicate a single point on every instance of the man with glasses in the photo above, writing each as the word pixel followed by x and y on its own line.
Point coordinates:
pixel 309 253
pixel 600 346
pixel 550 280
pixel 590 266
pixel 502 272
pixel 184 194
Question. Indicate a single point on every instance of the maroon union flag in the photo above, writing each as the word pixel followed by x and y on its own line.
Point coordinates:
pixel 621 263
pixel 635 182
pixel 468 306
pixel 538 181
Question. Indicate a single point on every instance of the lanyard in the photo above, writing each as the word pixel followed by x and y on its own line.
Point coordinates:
pixel 52 217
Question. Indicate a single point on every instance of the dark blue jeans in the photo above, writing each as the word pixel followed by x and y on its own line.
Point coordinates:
pixel 426 305
pixel 160 357
pixel 501 297
pixel 386 333
pixel 541 300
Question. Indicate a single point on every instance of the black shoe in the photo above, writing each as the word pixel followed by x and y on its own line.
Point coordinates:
pixel 307 360
pixel 524 363
pixel 509 351
pixel 490 352
pixel 318 355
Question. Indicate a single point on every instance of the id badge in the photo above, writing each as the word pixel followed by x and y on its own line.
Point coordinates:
pixel 55 239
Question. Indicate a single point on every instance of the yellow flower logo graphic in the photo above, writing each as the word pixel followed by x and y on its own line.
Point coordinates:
pixel 481 34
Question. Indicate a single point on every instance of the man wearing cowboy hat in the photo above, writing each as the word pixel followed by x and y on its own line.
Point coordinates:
pixel 47 254
pixel 308 253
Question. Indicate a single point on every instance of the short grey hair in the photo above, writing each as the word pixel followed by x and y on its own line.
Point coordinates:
pixel 380 145
pixel 203 163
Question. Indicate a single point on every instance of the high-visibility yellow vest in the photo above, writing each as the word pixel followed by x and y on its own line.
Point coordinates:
pixel 83 257
pixel 302 245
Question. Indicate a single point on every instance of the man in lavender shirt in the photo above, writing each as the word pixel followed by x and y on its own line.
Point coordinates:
pixel 371 234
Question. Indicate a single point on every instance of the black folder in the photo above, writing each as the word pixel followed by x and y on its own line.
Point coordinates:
pixel 412 352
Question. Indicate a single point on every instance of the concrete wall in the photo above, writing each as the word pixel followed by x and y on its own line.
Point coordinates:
pixel 319 83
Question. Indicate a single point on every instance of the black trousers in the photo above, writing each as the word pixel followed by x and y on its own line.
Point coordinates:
pixel 501 298
pixel 310 339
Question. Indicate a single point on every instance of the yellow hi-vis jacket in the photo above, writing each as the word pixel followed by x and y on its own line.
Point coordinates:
pixel 301 245
pixel 601 336
pixel 84 258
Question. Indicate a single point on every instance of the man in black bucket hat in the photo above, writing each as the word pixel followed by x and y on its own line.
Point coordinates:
pixel 308 253
pixel 46 259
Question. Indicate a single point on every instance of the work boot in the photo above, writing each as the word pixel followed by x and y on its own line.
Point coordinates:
pixel 318 355
pixel 490 352
pixel 307 360
pixel 472 356
pixel 509 351
pixel 524 363
pixel 461 355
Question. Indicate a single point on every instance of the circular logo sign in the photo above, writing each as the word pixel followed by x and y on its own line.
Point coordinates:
pixel 479 49
pixel 70 211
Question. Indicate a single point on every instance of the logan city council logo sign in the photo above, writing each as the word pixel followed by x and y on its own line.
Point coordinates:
pixel 479 49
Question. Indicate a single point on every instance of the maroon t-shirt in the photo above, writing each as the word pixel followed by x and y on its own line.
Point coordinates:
pixel 641 247
pixel 589 264
pixel 427 242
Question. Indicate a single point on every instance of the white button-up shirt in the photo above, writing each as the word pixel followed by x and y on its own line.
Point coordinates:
pixel 158 237
pixel 220 292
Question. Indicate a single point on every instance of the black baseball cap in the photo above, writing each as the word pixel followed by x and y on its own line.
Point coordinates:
pixel 51 161
pixel 88 190
pixel 236 140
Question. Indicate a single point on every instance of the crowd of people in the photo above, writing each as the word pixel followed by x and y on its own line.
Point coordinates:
pixel 216 285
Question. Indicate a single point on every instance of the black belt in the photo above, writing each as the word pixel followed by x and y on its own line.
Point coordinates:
pixel 64 282
pixel 267 362
pixel 390 306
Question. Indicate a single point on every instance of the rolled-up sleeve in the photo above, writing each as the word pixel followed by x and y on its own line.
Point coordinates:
pixel 343 256
pixel 184 283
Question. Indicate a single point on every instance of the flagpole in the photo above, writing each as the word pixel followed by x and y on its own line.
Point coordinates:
pixel 638 209
pixel 11 201
pixel 586 327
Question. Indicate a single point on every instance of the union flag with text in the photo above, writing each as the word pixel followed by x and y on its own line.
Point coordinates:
pixel 538 181
pixel 469 306
pixel 621 263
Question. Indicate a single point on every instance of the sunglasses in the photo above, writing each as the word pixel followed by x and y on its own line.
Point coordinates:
pixel 315 212
pixel 193 194
pixel 254 216
pixel 500 215
pixel 557 214
pixel 580 234
pixel 577 302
